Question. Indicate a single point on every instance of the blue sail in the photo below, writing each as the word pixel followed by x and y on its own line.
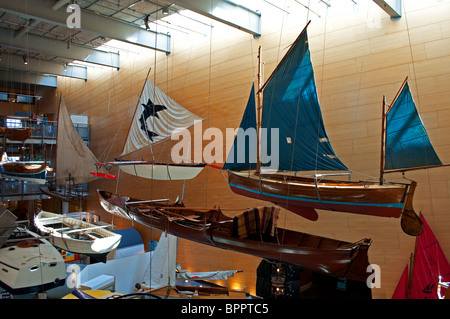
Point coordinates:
pixel 242 155
pixel 407 142
pixel 290 103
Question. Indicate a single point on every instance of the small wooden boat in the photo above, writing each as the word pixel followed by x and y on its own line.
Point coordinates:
pixel 67 193
pixel 77 236
pixel 35 173
pixel 253 232
pixel 29 262
pixel 156 118
pixel 286 110
pixel 17 134
pixel 158 171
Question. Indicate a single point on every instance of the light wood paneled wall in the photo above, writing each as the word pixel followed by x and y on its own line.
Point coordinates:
pixel 358 55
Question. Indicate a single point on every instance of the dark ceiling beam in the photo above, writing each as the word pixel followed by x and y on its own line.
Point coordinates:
pixel 30 24
pixel 391 7
pixel 58 48
pixel 16 62
pixel 92 23
pixel 8 77
pixel 227 12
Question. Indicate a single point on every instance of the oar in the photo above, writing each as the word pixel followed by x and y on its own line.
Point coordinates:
pixel 162 211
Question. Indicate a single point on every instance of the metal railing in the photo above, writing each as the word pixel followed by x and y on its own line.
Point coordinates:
pixel 42 128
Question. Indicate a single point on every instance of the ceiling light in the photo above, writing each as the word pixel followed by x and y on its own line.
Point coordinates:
pixel 147 27
pixel 25 60
pixel 165 10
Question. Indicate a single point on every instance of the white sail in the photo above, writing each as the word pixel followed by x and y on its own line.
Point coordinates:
pixel 161 116
pixel 161 270
pixel 73 157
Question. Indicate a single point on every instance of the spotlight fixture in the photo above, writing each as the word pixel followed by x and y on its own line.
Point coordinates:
pixel 25 60
pixel 165 11
pixel 147 27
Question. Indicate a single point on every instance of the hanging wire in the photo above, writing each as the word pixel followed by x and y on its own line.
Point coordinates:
pixel 418 95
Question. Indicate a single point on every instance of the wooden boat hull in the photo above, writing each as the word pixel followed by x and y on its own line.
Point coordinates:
pixel 17 134
pixel 31 173
pixel 92 241
pixel 160 171
pixel 29 263
pixel 320 254
pixel 303 195
pixel 63 193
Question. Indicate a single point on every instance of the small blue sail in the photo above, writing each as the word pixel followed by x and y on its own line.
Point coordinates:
pixel 407 142
pixel 290 104
pixel 242 155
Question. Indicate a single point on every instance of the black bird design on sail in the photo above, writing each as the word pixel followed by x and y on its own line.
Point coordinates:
pixel 148 126
pixel 150 109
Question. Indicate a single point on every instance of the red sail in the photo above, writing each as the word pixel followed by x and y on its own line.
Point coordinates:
pixel 430 263
pixel 401 292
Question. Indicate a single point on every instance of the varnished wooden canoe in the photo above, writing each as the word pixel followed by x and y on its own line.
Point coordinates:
pixel 263 239
pixel 303 195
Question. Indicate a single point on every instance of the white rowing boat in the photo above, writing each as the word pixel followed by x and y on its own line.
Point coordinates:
pixel 77 236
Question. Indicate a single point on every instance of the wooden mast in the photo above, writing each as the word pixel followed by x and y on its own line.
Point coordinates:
pixel 135 110
pixel 383 133
pixel 258 116
pixel 383 128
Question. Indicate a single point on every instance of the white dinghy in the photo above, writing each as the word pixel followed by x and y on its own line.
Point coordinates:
pixel 77 236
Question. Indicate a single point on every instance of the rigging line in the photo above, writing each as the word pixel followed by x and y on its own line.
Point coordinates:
pixel 109 148
pixel 321 84
pixel 417 94
pixel 209 97
pixel 166 142
pixel 296 125
pixel 411 52
pixel 272 95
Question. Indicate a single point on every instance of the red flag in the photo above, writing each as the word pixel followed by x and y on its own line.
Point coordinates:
pixel 401 292
pixel 429 263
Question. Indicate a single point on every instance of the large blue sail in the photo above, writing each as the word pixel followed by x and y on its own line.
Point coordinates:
pixel 290 103
pixel 242 155
pixel 407 142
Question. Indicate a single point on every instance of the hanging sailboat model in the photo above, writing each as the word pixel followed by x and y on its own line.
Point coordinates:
pixel 292 121
pixel 74 161
pixel 405 147
pixel 156 118
pixel 428 274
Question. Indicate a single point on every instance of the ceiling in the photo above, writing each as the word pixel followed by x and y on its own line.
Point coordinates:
pixel 37 42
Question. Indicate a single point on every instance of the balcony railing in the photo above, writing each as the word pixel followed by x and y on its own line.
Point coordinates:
pixel 42 129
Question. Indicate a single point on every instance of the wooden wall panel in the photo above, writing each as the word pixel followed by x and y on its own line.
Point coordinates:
pixel 358 55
